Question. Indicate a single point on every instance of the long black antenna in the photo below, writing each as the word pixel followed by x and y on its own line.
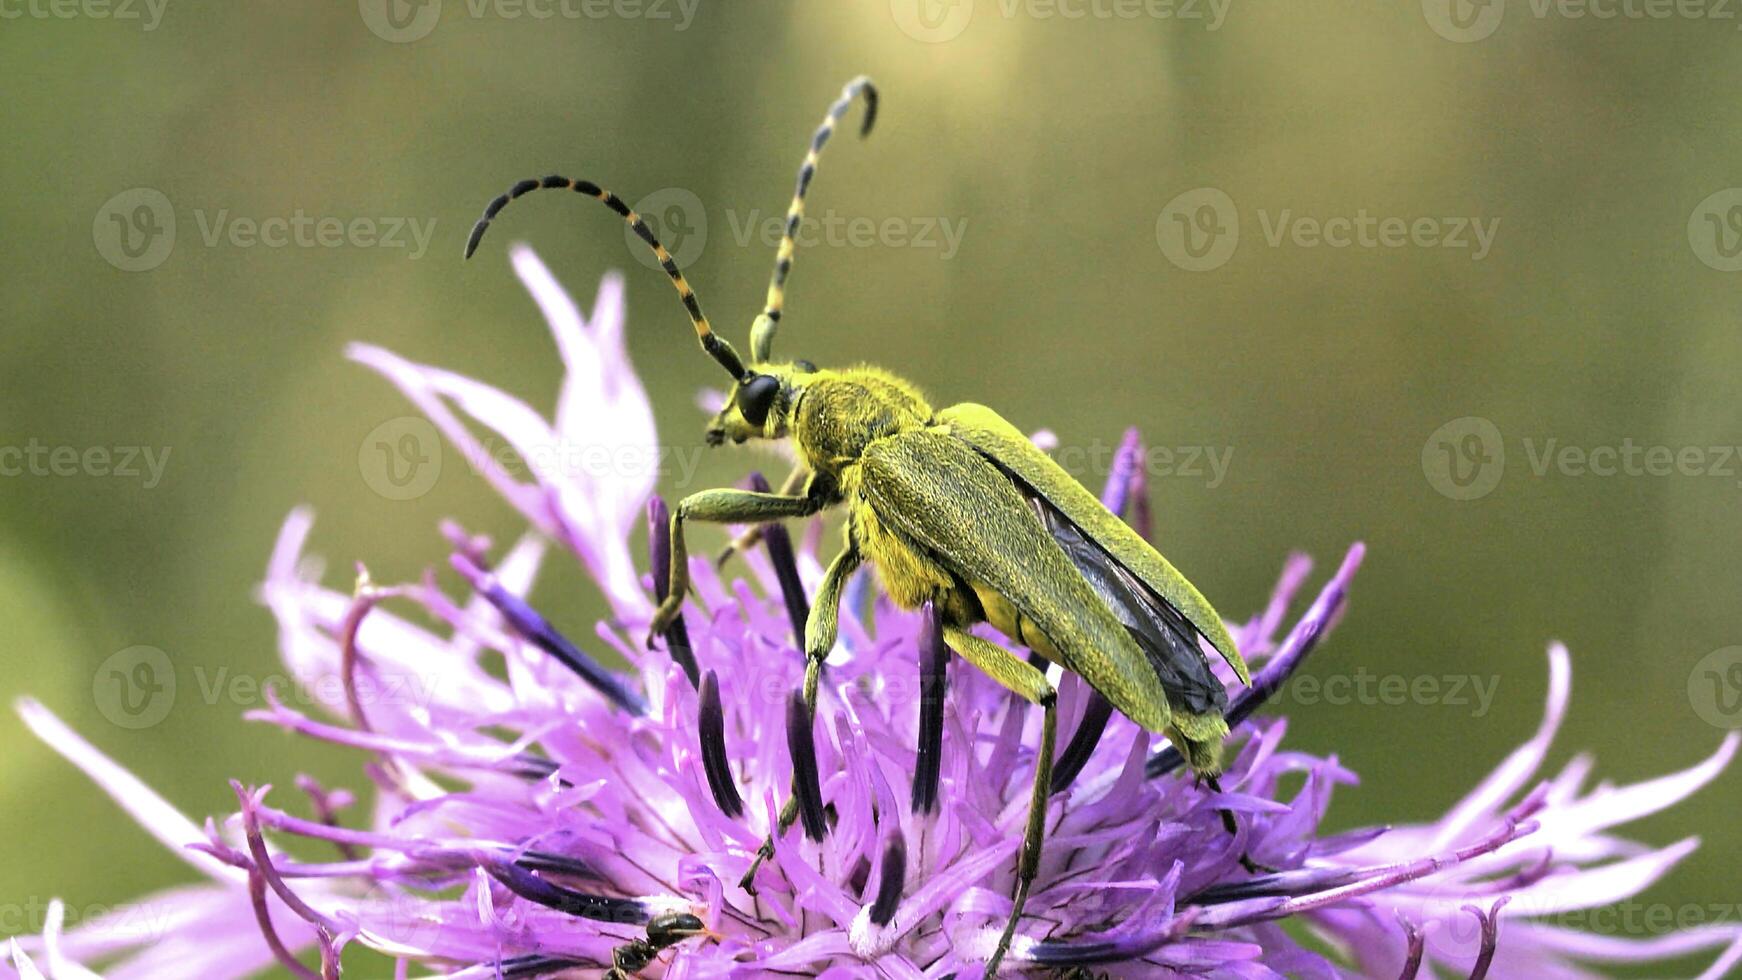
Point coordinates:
pixel 715 345
pixel 762 333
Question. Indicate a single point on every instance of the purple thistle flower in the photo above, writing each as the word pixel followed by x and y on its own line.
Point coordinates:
pixel 557 816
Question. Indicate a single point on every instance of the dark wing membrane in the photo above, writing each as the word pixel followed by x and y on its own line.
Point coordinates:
pixel 1164 636
pixel 958 509
pixel 999 441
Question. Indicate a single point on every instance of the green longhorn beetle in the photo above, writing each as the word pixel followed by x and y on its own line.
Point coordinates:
pixel 957 508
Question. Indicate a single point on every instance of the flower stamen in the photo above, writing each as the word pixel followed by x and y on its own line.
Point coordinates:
pixel 1414 949
pixel 711 730
pixel 1490 936
pixel 533 628
pixel 1096 714
pixel 598 908
pixel 934 659
pixel 779 544
pixel 890 880
pixel 807 787
pixel 1293 651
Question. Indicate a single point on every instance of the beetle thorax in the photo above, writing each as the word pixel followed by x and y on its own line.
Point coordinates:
pixel 840 413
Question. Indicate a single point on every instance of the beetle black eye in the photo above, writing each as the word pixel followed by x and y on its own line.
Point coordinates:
pixel 756 397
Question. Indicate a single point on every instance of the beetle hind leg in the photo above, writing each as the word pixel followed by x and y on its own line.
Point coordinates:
pixel 1024 679
pixel 1232 825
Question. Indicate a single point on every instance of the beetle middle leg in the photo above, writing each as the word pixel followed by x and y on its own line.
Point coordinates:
pixel 819 638
pixel 1024 679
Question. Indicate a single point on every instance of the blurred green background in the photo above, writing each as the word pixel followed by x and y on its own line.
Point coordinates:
pixel 1603 313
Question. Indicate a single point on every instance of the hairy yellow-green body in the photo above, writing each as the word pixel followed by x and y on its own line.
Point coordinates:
pixel 934 505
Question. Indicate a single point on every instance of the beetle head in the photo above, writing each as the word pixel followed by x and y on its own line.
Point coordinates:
pixel 760 404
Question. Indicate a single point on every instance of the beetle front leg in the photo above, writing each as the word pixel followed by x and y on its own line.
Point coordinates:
pixel 824 624
pixel 721 507
pixel 752 535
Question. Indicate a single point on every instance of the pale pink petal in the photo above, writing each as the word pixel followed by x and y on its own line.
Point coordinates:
pixel 599 384
pixel 1721 969
pixel 413 382
pixel 412 668
pixel 1593 887
pixel 163 821
pixel 1481 805
pixel 560 504
pixel 1608 807
pixel 60 966
pixel 22 963
pixel 1597 946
